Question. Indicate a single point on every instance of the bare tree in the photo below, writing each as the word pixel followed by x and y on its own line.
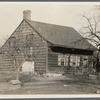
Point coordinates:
pixel 15 49
pixel 13 53
pixel 91 30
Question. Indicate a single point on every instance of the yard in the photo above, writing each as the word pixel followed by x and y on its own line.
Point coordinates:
pixel 55 85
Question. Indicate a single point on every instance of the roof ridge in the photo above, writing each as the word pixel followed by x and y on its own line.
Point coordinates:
pixel 61 35
pixel 49 23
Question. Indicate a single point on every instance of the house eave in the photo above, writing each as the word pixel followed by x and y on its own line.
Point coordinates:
pixel 67 50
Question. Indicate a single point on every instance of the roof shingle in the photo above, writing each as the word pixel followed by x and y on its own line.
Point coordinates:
pixel 61 35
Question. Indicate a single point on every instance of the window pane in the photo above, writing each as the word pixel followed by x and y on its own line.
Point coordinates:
pixel 71 64
pixel 61 60
pixel 66 64
pixel 59 63
pixel 78 64
pixel 85 60
pixel 62 63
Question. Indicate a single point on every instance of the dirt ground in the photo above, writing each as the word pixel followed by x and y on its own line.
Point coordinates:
pixel 54 85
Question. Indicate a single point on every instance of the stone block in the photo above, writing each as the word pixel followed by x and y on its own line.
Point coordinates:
pixel 15 82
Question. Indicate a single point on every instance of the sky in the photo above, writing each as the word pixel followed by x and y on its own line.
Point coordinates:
pixel 60 13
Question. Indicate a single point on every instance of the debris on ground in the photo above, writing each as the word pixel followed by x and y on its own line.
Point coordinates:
pixel 53 75
pixel 15 82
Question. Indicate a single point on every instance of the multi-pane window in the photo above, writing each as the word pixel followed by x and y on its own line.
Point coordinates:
pixel 63 60
pixel 29 40
pixel 12 42
pixel 85 60
pixel 74 61
pixel 66 60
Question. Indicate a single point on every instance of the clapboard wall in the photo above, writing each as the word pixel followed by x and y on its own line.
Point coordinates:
pixel 44 59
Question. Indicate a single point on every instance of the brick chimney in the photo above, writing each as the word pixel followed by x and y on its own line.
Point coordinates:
pixel 27 14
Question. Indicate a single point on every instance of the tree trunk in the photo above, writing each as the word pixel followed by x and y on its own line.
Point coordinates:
pixel 18 69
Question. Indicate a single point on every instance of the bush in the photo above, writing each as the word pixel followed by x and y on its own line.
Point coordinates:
pixel 25 77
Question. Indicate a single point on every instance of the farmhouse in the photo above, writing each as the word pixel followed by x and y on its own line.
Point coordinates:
pixel 45 48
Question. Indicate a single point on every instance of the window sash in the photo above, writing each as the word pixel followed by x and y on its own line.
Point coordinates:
pixel 63 60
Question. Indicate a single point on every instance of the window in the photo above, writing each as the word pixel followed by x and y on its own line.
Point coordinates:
pixel 85 60
pixel 12 42
pixel 29 40
pixel 62 60
pixel 74 61
pixel 66 60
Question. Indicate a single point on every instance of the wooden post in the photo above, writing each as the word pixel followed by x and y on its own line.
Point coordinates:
pixel 69 60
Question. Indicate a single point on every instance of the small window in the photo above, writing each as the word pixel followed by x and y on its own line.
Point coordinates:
pixel 12 42
pixel 85 61
pixel 62 60
pixel 71 60
pixel 29 40
pixel 74 61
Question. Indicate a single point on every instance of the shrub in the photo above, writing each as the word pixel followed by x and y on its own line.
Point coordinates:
pixel 25 77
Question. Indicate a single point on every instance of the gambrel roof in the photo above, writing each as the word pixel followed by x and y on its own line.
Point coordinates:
pixel 61 35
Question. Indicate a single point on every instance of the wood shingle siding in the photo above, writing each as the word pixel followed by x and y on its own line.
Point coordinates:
pixel 53 63
pixel 39 48
pixel 41 43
